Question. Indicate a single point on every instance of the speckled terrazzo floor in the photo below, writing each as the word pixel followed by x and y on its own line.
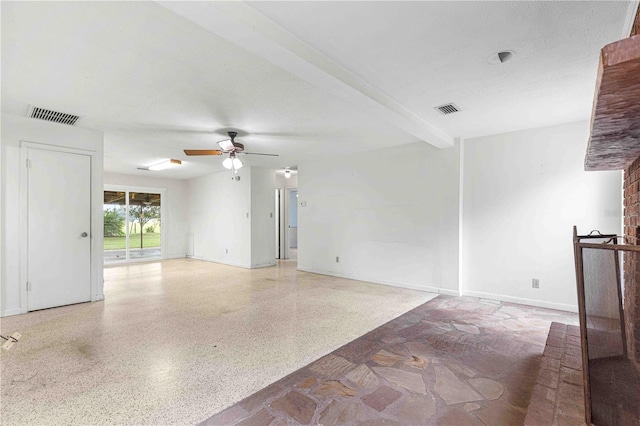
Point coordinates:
pixel 177 341
pixel 450 361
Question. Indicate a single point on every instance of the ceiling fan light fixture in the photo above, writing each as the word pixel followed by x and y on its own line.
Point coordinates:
pixel 228 163
pixel 237 164
pixel 287 174
pixel 167 164
pixel 232 162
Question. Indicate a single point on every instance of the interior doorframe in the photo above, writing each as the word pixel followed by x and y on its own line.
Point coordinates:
pixel 95 227
pixel 278 231
pixel 163 237
pixel 287 204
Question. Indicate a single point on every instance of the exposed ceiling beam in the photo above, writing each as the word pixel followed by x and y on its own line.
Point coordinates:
pixel 249 29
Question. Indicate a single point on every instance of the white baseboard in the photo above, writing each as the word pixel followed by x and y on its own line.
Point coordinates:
pixel 263 265
pixel 176 256
pixel 427 289
pixel 221 261
pixel 522 301
pixel 11 311
pixel 448 292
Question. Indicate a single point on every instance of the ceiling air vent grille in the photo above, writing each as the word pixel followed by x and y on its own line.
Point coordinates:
pixel 56 117
pixel 447 109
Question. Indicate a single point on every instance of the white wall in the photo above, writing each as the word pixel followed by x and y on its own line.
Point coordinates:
pixel 14 130
pixel 262 217
pixel 283 182
pixel 232 221
pixel 522 194
pixel 174 221
pixel 219 210
pixel 390 215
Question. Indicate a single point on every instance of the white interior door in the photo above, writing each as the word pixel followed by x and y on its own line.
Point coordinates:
pixel 58 226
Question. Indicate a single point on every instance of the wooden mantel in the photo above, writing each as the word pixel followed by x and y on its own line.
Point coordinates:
pixel 615 121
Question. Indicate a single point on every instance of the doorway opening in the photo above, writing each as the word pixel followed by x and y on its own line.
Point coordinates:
pixel 292 240
pixel 286 200
pixel 132 225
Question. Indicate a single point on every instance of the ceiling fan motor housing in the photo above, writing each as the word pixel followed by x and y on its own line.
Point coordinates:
pixel 238 147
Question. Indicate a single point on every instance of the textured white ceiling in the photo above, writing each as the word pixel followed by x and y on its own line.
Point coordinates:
pixel 426 54
pixel 305 80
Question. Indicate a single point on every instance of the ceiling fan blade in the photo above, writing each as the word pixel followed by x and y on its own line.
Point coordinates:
pixel 257 153
pixel 202 152
pixel 226 145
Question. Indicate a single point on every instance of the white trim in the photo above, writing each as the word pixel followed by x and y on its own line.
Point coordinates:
pixel 461 280
pixel 94 274
pixel 11 311
pixel 23 232
pixel 263 265
pixel 281 223
pixel 448 292
pixel 630 18
pixel 287 219
pixel 222 262
pixel 522 301
pixel 99 297
pixel 427 289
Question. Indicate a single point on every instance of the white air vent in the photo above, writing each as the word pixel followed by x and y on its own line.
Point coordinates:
pixel 56 117
pixel 447 109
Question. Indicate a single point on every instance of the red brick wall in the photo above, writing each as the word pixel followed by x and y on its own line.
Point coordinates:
pixel 635 29
pixel 632 260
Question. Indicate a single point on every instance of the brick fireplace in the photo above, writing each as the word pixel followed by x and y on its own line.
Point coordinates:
pixel 614 144
pixel 631 261
pixel 611 388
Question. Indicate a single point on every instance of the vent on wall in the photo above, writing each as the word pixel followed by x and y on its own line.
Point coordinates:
pixel 447 109
pixel 55 116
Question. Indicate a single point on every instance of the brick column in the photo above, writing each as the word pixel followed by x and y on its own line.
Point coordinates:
pixel 631 263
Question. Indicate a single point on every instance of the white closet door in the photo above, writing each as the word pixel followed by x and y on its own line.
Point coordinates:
pixel 59 226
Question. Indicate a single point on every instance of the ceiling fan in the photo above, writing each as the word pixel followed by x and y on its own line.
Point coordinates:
pixel 227 146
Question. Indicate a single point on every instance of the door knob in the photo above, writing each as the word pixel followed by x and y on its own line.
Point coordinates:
pixel 84 235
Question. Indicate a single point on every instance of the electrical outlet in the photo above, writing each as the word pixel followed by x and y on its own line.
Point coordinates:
pixel 337 259
pixel 535 283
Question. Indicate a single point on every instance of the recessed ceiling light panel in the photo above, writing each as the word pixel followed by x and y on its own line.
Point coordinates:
pixel 167 164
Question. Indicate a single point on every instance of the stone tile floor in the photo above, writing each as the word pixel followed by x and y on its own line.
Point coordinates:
pixel 450 361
